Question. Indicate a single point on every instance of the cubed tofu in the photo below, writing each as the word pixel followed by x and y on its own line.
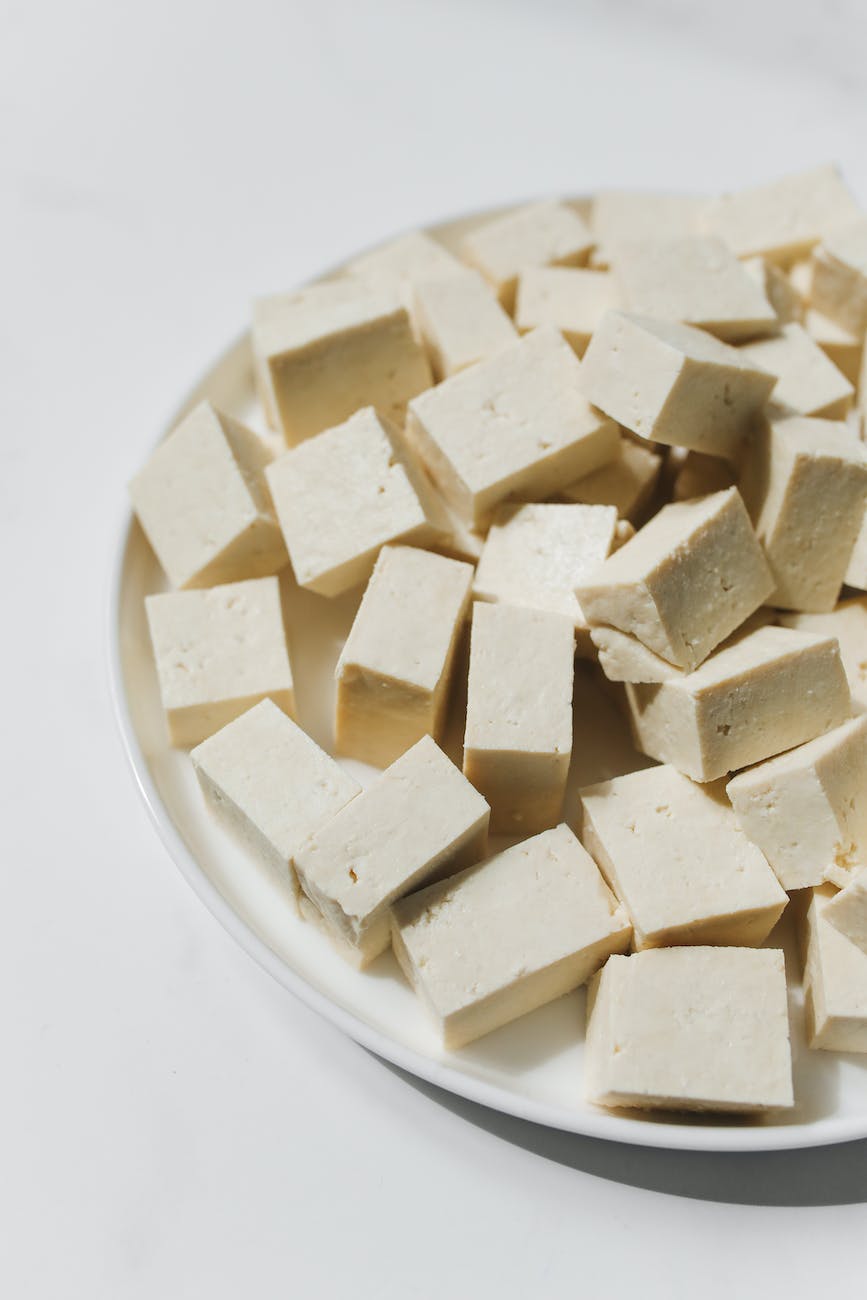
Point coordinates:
pixel 513 425
pixel 783 220
pixel 420 821
pixel 843 348
pixel 271 785
pixel 690 1029
pixel 395 670
pixel 807 382
pixel 202 502
pixel 835 982
pixel 460 320
pixel 684 582
pixel 506 936
pixel 573 300
pixel 321 354
pixel 839 284
pixel 341 496
pixel 805 481
pixel 779 289
pixel 676 858
pixel 847 912
pixel 404 261
pixel 848 623
pixel 767 692
pixel 540 234
pixel 218 652
pixel 518 739
pixel 674 384
pixel 627 483
pixel 624 217
pixel 700 475
pixel 807 809
pixel 623 658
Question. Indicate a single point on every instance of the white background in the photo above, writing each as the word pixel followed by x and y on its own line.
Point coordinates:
pixel 171 1123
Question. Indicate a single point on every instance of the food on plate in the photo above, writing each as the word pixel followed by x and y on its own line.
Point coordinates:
pixel 835 981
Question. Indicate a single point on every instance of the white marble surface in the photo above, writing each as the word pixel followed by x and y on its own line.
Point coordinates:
pixel 171 1124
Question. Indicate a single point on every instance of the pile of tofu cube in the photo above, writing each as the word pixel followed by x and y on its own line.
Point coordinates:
pixel 627 432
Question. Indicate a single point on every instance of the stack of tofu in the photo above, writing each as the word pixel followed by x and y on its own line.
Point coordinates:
pixel 630 432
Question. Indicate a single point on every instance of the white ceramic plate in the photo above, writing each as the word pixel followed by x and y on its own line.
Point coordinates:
pixel 532 1068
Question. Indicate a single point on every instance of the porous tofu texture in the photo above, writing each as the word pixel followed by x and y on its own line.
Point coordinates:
pixel 540 234
pixel 673 853
pixel 674 384
pixel 807 382
pixel 516 424
pixel 835 982
pixel 508 935
pixel 690 1029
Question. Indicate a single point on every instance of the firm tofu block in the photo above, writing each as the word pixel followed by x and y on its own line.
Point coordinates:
pixel 518 739
pixel 690 1029
pixel 218 652
pixel 269 783
pixel 321 354
pixel 783 220
pixel 839 284
pixel 420 821
pixel 513 425
pixel 627 483
pixel 807 809
pixel 623 658
pixel 848 623
pixel 698 281
pixel 843 349
pixel 835 982
pixel 395 670
pixel 807 382
pixel 534 553
pixel 676 858
pixel 674 384
pixel 778 288
pixel 847 912
pixel 508 935
pixel 573 300
pixel 540 234
pixel 340 497
pixel 402 262
pixel 684 582
pixel 769 691
pixel 461 321
pixel 805 481
pixel 202 502
pixel 624 217
pixel 699 475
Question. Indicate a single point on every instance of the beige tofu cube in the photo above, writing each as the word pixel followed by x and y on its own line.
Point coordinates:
pixel 835 982
pixel 271 785
pixel 698 281
pixel 627 483
pixel 460 320
pixel 513 425
pixel 805 481
pixel 395 670
pixel 690 1029
pixel 839 285
pixel 807 382
pixel 420 821
pixel 573 300
pixel 340 497
pixel 684 582
pixel 321 354
pixel 700 475
pixel 847 912
pixel 540 234
pixel 218 652
pixel 781 290
pixel 843 348
pixel 807 809
pixel 848 624
pixel 624 217
pixel 202 502
pixel 623 658
pixel 674 384
pixel 507 936
pixel 676 858
pixel 402 262
pixel 766 692
pixel 518 739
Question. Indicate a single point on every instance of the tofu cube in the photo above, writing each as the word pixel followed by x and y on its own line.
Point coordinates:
pixel 518 739
pixel 847 911
pixel 848 623
pixel 843 349
pixel 807 809
pixel 321 354
pixel 540 234
pixel 218 652
pixel 700 475
pixel 624 217
pixel 505 937
pixel 839 284
pixel 807 382
pixel 461 321
pixel 623 658
pixel 835 982
pixel 676 858
pixel 420 821
pixel 690 1029
pixel 573 300
pixel 271 785
pixel 402 262
pixel 513 425
pixel 627 483
pixel 685 581
pixel 805 483
pixel 766 692
pixel 340 497
pixel 781 292
pixel 674 384
pixel 395 670
pixel 202 502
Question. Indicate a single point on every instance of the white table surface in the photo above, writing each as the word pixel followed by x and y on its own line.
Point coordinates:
pixel 172 1124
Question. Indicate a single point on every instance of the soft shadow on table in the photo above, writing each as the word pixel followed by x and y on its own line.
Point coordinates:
pixel 831 1175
